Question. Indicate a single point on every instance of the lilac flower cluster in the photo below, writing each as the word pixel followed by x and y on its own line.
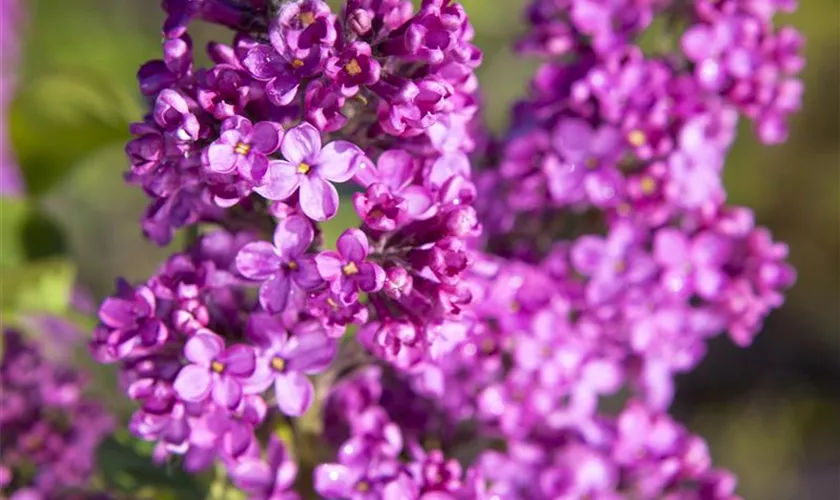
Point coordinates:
pixel 466 339
pixel 50 429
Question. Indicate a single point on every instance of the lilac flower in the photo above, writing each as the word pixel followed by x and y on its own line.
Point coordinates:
pixel 347 270
pixel 214 369
pixel 303 27
pixel 692 265
pixel 281 264
pixel 270 479
pixel 355 480
pixel 310 167
pixel 282 75
pixel 354 67
pixel 287 360
pixel 128 320
pixel 611 263
pixel 588 158
pixel 244 148
pixel 396 170
pixel 172 112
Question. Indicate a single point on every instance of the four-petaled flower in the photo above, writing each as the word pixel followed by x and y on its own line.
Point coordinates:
pixel 243 147
pixel 214 370
pixel 286 359
pixel 278 265
pixel 310 167
pixel 347 271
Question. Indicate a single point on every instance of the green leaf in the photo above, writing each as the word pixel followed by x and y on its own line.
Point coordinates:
pixel 126 465
pixel 70 134
pixel 38 287
pixel 13 215
pixel 27 233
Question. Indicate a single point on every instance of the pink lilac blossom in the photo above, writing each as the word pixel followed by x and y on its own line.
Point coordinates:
pixel 483 310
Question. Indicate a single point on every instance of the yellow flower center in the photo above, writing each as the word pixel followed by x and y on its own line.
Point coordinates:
pixel 292 265
pixel 375 214
pixel 362 487
pixel 591 162
pixel 648 185
pixel 352 68
pixel 350 269
pixel 620 266
pixel 217 367
pixel 297 63
pixel 332 303
pixel 242 148
pixel 637 138
pixel 304 168
pixel 307 18
pixel 278 363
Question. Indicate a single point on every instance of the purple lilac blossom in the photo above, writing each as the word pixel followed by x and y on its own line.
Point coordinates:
pixel 593 254
pixel 50 430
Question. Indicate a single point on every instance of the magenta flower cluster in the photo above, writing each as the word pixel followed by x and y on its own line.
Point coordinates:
pixel 494 290
pixel 50 428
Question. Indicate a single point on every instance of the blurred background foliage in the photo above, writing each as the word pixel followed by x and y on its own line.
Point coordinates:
pixel 771 413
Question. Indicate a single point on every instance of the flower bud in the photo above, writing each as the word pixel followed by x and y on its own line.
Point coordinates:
pixel 398 283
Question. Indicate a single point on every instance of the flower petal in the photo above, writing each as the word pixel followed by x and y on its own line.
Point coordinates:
pixel 203 348
pixel 329 265
pixel 192 383
pixel 265 137
pixel 282 89
pixel 221 158
pixel 419 203
pixel 318 198
pixel 117 313
pixel 301 144
pixel 312 351
pixel 334 480
pixel 306 275
pixel 395 168
pixel 274 293
pixel 239 360
pixel 263 62
pixel 282 181
pixel 353 245
pixel 572 140
pixel 227 392
pixel 339 161
pixel 371 277
pixel 258 260
pixel 293 236
pixel 252 475
pixel 294 393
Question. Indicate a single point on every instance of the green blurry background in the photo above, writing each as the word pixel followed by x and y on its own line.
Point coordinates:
pixel 771 413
